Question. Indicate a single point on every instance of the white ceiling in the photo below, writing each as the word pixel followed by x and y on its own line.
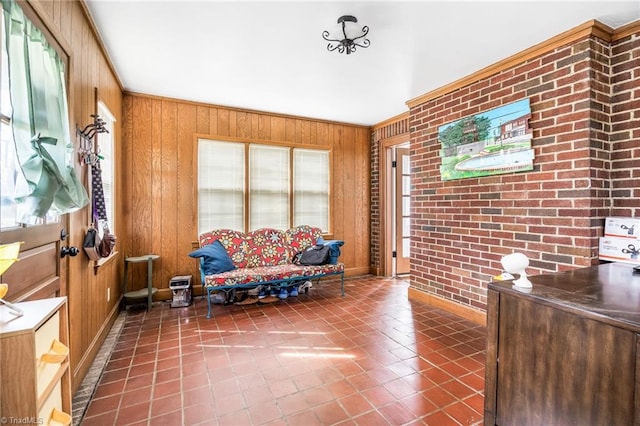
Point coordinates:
pixel 270 56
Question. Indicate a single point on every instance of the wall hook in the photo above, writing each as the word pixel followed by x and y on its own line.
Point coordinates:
pixel 89 151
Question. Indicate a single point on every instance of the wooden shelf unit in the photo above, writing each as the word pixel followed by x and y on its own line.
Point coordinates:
pixel 35 380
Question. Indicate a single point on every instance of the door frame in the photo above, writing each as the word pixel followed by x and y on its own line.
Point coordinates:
pixel 387 222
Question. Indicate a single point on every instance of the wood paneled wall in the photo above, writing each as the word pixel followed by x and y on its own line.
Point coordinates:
pixel 89 72
pixel 159 138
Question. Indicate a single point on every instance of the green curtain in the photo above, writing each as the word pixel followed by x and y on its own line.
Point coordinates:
pixel 40 121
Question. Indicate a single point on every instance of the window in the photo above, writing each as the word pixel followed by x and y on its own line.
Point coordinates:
pixel 106 151
pixel 268 187
pixel 9 170
pixel 38 178
pixel 221 176
pixel 247 186
pixel 311 187
pixel 10 173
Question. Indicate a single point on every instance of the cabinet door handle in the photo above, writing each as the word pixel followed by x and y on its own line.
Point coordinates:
pixel 57 354
pixel 60 417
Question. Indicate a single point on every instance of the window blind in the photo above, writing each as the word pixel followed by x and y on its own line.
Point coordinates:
pixel 311 188
pixel 221 174
pixel 268 187
pixel 278 180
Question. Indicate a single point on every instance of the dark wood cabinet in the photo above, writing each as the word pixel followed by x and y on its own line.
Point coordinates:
pixel 566 351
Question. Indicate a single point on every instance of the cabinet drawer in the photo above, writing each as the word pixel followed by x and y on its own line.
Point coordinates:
pixel 45 336
pixel 34 363
pixel 53 401
pixel 51 411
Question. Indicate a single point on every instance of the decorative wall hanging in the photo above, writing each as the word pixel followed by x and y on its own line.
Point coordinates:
pixel 95 245
pixel 347 44
pixel 89 151
pixel 492 142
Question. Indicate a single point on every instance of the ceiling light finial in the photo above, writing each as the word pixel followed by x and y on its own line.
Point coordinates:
pixel 347 45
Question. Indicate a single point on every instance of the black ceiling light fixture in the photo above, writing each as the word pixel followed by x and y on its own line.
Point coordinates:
pixel 347 45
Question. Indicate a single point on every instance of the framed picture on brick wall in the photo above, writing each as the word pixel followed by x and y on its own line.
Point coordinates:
pixel 492 142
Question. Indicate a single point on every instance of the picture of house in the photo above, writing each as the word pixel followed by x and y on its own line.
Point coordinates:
pixel 492 142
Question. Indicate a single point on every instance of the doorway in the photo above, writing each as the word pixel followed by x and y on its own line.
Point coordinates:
pixel 395 207
pixel 402 211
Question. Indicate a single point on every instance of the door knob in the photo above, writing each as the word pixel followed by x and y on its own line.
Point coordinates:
pixel 71 251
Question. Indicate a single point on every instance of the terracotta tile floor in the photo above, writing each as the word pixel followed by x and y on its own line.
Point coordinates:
pixel 370 358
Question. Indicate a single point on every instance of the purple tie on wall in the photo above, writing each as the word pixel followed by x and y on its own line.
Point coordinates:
pixel 97 193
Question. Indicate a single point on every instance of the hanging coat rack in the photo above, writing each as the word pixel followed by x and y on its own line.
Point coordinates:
pixel 89 151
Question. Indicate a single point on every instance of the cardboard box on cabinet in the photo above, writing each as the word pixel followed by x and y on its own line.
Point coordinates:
pixel 624 227
pixel 620 249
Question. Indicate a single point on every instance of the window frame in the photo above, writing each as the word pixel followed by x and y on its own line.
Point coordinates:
pixel 247 176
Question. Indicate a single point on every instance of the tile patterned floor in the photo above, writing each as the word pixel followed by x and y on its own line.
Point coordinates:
pixel 370 358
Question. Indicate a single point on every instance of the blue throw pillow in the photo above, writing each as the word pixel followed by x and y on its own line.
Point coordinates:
pixel 216 259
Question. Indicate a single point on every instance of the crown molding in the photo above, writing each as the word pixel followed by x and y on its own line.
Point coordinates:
pixel 591 28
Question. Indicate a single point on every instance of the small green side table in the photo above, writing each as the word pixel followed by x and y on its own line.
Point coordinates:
pixel 144 292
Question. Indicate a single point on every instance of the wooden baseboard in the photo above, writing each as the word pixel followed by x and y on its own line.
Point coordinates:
pixel 356 272
pixel 474 315
pixel 375 271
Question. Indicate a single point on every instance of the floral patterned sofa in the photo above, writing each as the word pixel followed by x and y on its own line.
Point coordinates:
pixel 231 260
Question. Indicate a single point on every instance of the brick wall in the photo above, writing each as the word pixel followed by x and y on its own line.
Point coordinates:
pixel 625 126
pixel 398 126
pixel 586 139
pixel 375 202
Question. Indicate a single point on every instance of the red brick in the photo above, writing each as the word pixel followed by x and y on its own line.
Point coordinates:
pixel 586 126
